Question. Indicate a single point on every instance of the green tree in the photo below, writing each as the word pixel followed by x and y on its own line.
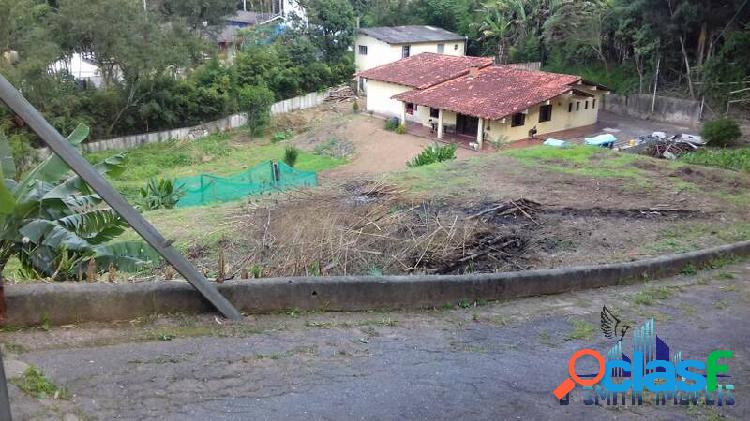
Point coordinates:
pixel 256 101
pixel 198 14
pixel 125 41
pixel 331 26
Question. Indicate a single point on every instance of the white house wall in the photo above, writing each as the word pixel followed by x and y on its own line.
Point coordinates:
pixel 379 52
pixel 379 98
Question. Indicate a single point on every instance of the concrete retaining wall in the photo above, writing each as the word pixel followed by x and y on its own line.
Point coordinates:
pixel 57 304
pixel 666 109
pixel 200 131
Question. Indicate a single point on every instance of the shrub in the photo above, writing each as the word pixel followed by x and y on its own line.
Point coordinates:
pixel 433 154
pixel 290 155
pixel 283 135
pixel 162 194
pixel 392 124
pixel 401 129
pixel 256 101
pixel 355 107
pixel 733 159
pixel 70 229
pixel 722 132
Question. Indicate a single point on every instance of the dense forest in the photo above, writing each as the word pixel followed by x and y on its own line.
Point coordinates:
pixel 169 75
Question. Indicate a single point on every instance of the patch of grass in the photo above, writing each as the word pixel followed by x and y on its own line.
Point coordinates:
pixel 465 303
pixel 737 159
pixel 34 383
pixel 690 236
pixel 443 176
pixel 585 161
pixel 581 330
pixel 220 154
pixel 724 275
pixel 651 294
pixel 721 261
pixel 688 269
pixel 14 348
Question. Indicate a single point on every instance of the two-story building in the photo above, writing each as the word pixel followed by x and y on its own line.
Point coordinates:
pixel 386 44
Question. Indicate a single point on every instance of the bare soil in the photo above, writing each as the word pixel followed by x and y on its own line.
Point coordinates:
pixel 375 151
pixel 375 216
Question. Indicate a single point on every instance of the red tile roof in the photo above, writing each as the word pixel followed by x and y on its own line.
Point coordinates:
pixel 425 69
pixel 495 92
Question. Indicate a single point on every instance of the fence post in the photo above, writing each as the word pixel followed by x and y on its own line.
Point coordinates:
pixel 59 145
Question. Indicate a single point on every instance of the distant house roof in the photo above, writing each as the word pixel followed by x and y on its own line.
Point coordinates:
pixel 241 20
pixel 250 18
pixel 494 92
pixel 424 70
pixel 410 34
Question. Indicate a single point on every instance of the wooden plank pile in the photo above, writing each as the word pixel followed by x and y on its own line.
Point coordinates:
pixel 342 93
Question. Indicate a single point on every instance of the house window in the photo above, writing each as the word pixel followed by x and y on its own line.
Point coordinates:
pixel 405 51
pixel 441 48
pixel 519 119
pixel 545 113
pixel 570 107
pixel 586 105
pixel 363 50
pixel 455 47
pixel 409 108
pixel 578 105
pixel 434 113
pixel 593 103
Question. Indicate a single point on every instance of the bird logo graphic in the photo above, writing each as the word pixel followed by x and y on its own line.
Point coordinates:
pixel 613 326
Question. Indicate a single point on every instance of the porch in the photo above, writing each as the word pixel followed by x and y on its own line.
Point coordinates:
pixel 449 136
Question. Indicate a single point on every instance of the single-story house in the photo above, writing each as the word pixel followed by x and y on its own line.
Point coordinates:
pixel 386 44
pixel 479 100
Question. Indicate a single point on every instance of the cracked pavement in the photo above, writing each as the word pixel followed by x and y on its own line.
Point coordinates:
pixel 494 360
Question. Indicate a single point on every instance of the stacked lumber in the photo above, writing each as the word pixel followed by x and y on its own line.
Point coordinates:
pixel 341 94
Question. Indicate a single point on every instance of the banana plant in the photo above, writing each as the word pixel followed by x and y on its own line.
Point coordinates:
pixel 56 224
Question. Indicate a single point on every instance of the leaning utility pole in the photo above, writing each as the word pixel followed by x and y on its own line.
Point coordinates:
pixel 16 102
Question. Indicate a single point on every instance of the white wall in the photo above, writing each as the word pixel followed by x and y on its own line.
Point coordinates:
pixel 196 132
pixel 379 52
pixel 379 98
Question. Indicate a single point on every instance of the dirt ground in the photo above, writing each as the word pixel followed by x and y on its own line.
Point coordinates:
pixel 375 216
pixel 472 360
pixel 371 149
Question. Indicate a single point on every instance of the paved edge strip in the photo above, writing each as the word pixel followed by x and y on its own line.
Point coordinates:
pixel 60 304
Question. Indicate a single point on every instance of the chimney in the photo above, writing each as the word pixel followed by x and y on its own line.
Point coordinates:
pixel 474 71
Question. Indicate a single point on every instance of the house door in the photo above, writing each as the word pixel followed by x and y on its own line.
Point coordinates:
pixel 466 125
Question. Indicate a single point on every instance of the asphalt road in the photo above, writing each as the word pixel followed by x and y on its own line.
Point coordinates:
pixel 492 361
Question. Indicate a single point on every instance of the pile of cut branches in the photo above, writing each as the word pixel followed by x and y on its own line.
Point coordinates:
pixel 371 228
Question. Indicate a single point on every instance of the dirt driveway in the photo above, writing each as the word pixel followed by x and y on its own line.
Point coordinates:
pixel 376 150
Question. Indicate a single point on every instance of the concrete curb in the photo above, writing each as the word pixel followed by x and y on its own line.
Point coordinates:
pixel 58 304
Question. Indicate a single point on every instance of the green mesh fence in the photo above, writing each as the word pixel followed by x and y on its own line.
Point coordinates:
pixel 266 177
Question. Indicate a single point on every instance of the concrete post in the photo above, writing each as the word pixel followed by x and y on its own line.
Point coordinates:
pixel 480 132
pixel 403 113
pixel 440 124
